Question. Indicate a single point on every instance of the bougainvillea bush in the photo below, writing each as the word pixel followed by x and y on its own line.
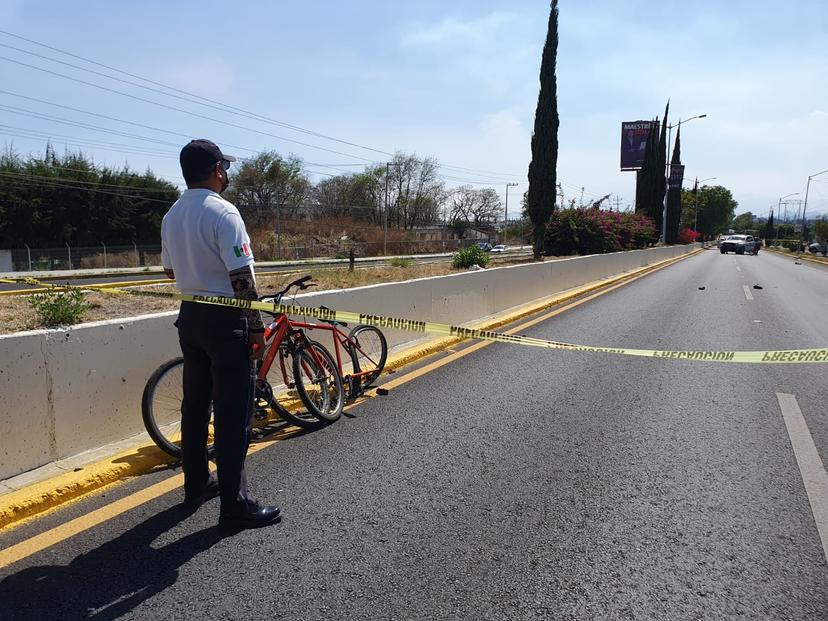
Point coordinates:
pixel 594 231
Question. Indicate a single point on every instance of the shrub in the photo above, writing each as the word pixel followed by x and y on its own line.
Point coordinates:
pixel 466 257
pixel 592 231
pixel 794 245
pixel 687 236
pixel 59 308
pixel 400 262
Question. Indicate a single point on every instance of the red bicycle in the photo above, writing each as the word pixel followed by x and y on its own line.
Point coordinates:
pixel 316 378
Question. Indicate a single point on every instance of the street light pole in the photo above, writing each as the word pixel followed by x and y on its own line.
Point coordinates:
pixel 667 174
pixel 805 206
pixel 506 211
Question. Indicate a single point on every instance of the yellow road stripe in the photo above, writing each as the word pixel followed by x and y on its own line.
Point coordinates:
pixel 56 535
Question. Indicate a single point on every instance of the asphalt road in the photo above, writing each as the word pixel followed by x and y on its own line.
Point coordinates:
pixel 513 483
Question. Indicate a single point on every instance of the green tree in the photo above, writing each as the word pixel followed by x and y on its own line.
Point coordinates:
pixel 768 232
pixel 541 198
pixel 56 200
pixel 269 185
pixel 716 207
pixel 358 196
pixel 661 167
pixel 821 230
pixel 646 187
pixel 674 198
pixel 743 222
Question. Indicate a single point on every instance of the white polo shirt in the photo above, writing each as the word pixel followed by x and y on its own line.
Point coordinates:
pixel 202 238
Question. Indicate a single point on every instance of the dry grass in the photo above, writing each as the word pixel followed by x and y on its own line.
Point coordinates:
pixel 16 314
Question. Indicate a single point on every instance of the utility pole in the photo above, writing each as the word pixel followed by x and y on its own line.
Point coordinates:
pixel 805 206
pixel 506 211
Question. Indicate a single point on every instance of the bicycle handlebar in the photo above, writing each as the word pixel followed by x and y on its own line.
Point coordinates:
pixel 300 283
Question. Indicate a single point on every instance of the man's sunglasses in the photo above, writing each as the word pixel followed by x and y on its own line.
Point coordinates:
pixel 225 164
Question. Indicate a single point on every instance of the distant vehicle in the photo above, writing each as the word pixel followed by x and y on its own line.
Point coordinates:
pixel 817 248
pixel 484 246
pixel 500 248
pixel 740 244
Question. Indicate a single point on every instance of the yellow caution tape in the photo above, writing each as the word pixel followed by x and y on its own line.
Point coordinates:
pixel 785 356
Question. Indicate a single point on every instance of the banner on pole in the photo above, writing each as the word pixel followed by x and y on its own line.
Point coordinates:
pixel 634 143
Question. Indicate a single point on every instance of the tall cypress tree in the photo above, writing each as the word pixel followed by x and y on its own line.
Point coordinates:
pixel 540 200
pixel 661 182
pixel 674 197
pixel 769 230
pixel 647 176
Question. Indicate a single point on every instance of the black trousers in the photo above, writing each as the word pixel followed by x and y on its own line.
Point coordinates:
pixel 217 369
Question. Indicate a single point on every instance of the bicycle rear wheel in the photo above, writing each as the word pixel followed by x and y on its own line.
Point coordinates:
pixel 161 408
pixel 369 350
pixel 281 398
pixel 318 382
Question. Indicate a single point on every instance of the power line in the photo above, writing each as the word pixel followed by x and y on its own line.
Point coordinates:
pixel 200 100
pixel 92 142
pixel 74 187
pixel 97 128
pixel 123 186
pixel 181 110
pixel 82 144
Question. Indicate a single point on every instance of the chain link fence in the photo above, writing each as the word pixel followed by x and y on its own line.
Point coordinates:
pixel 84 257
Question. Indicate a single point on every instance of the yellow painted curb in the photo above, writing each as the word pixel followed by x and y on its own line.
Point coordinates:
pixel 33 500
pixel 39 497
pixel 798 257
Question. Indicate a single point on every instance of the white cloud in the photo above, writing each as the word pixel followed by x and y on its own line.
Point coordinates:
pixel 454 31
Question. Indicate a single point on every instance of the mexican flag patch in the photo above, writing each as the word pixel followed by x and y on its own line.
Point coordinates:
pixel 243 250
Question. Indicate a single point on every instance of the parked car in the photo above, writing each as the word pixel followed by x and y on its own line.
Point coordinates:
pixel 817 248
pixel 484 246
pixel 500 248
pixel 740 244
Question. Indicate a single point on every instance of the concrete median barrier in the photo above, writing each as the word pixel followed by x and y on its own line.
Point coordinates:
pixel 67 391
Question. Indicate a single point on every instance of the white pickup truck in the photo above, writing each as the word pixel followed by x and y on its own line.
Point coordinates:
pixel 740 244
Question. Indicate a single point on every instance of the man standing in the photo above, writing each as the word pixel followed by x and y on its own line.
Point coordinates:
pixel 206 249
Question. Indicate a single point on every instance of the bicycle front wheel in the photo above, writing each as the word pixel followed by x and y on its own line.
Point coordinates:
pixel 369 350
pixel 318 382
pixel 161 408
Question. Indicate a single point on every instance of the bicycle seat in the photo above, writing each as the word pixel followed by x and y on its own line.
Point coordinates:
pixel 333 322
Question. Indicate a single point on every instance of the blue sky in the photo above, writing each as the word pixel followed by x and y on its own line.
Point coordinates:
pixel 454 80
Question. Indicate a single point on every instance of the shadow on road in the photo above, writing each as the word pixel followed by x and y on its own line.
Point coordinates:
pixel 110 580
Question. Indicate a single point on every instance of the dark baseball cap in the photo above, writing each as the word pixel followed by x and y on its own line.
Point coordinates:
pixel 198 155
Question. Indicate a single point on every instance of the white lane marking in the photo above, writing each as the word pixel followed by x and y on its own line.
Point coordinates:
pixel 810 464
pixel 748 294
pixel 738 268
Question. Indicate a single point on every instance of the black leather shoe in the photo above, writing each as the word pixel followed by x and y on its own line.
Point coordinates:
pixel 210 492
pixel 251 518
